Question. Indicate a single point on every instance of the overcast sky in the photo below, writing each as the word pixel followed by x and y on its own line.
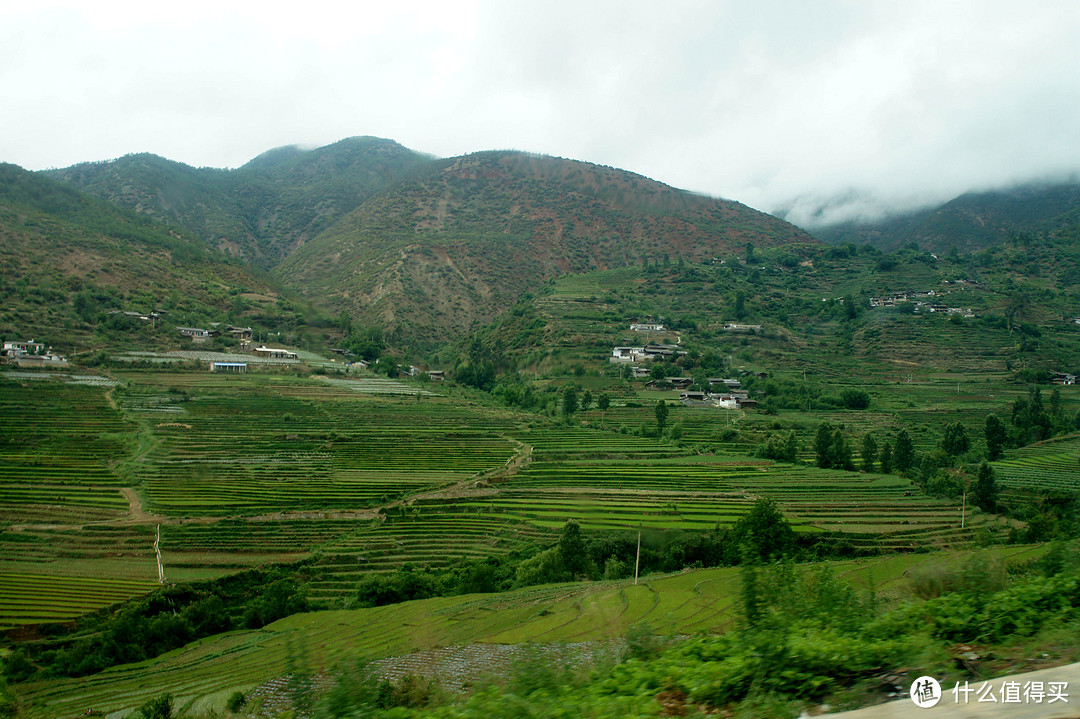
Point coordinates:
pixel 776 104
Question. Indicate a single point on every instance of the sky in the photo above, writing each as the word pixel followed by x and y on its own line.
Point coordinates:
pixel 824 110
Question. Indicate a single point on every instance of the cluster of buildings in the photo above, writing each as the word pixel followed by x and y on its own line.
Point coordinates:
pixel 924 302
pixel 648 353
pixel 201 334
pixel 724 392
pixel 31 354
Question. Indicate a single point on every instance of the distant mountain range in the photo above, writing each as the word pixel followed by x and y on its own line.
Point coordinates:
pixel 429 248
pixel 66 257
pixel 971 221
pixel 426 248
pixel 261 211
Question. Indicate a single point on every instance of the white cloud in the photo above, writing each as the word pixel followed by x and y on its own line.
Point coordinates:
pixel 772 103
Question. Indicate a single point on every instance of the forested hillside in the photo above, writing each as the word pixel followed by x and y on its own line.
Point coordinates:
pixel 67 260
pixel 261 211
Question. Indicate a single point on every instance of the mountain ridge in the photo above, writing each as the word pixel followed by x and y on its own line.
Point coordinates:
pixel 439 248
pixel 971 221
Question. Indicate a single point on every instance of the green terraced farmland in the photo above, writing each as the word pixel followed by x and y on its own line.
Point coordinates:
pixel 1050 465
pixel 311 445
pixel 60 447
pixel 35 598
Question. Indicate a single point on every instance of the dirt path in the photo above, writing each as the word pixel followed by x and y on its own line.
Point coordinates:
pixel 136 513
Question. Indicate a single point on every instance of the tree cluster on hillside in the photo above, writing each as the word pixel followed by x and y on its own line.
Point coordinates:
pixel 165 620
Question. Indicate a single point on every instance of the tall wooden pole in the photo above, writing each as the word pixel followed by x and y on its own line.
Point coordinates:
pixel 637 560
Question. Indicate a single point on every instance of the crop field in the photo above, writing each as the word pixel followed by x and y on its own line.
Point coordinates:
pixel 59 443
pixel 257 450
pixel 1053 464
pixel 244 470
pixel 27 598
pixel 203 674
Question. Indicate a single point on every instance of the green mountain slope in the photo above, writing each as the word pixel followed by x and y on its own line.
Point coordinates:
pixel 66 258
pixel 443 253
pixel 261 211
pixel 970 222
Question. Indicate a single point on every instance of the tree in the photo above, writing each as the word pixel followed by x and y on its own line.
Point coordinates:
pixel 841 452
pixel 661 415
pixel 886 458
pixel 955 440
pixel 869 452
pixel 586 399
pixel 823 445
pixel 855 398
pixel 603 402
pixel 569 400
pixel 749 252
pixel 791 448
pixel 904 453
pixel 572 550
pixel 763 532
pixel 740 304
pixel 996 435
pixel 985 492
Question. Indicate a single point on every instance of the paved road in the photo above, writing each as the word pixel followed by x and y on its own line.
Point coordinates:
pixel 947 708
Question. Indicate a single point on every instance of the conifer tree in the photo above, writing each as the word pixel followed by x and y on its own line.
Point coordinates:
pixel 904 452
pixel 869 452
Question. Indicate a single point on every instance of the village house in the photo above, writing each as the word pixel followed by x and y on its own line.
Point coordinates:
pixel 735 327
pixel 628 354
pixel 1063 378
pixel 197 334
pixel 240 333
pixel 646 327
pixel 32 354
pixel 275 353
pixel 694 399
pixel 12 349
pixel 235 367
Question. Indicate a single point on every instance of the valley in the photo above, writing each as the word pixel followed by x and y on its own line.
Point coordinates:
pixel 361 406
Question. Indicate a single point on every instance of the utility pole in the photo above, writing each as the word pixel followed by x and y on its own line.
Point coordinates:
pixel 963 510
pixel 637 560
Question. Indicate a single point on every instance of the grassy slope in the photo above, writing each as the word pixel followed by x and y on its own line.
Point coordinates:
pixel 204 673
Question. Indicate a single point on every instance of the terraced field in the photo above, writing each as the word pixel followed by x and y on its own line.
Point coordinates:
pixel 203 674
pixel 60 447
pixel 30 598
pixel 256 451
pixel 278 468
pixel 1053 464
